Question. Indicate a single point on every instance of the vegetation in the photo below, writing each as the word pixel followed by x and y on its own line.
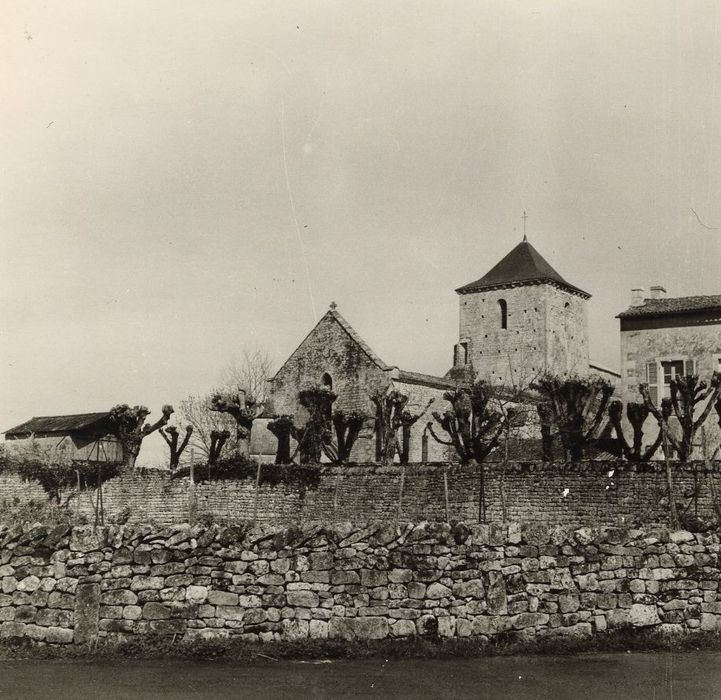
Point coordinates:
pixel 576 406
pixel 689 393
pixel 54 472
pixel 244 409
pixel 637 413
pixel 152 646
pixel 283 428
pixel 170 435
pixel 315 436
pixel 347 426
pixel 131 429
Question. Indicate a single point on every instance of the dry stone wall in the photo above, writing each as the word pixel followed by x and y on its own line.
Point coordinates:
pixel 265 584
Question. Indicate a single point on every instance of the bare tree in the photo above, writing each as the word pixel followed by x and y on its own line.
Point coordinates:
pixel 195 410
pixel 347 428
pixel 218 438
pixel 283 428
pixel 244 410
pixel 315 438
pixel 390 405
pixel 688 393
pixel 170 435
pixel 250 374
pixel 637 413
pixel 577 406
pixel 474 427
pixel 131 429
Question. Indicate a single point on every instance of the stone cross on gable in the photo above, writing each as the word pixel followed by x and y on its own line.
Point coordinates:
pixel 333 306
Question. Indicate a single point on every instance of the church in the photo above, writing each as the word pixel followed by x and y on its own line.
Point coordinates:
pixel 520 320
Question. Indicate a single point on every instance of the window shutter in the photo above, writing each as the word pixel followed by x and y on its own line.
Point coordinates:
pixel 652 380
pixel 690 367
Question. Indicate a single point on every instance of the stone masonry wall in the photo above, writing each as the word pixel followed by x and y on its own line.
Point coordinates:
pixel 593 493
pixel 344 582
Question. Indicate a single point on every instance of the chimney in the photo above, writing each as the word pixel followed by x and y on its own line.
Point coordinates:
pixel 637 296
pixel 658 292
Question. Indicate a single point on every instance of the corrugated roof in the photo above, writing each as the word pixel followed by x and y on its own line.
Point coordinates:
pixel 56 424
pixel 523 265
pixel 673 305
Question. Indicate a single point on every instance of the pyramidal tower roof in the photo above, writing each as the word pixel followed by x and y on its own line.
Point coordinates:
pixel 523 265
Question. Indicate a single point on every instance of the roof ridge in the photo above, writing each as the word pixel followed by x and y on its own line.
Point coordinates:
pixel 521 265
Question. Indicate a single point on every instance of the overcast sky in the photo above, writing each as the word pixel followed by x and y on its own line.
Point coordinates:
pixel 179 180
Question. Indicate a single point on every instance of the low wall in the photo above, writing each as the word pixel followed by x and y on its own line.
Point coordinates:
pixel 586 493
pixel 372 582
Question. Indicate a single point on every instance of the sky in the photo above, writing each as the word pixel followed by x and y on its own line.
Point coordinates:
pixel 182 180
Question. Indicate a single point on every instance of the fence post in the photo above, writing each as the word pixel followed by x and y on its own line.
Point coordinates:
pixel 445 490
pixel 400 493
pixel 191 495
pixel 100 494
pixel 257 486
pixel 77 497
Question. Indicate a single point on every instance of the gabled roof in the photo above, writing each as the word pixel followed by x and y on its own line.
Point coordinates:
pixel 673 305
pixel 523 265
pixel 57 424
pixel 352 333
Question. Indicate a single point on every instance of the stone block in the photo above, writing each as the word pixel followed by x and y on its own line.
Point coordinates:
pixel 643 615
pixel 304 599
pixel 196 594
pixel 222 598
pixel 372 578
pixel 469 589
pixel 118 597
pixel 436 591
pixel 403 628
pixel 295 629
pixel 156 611
pixel 58 635
pixel 350 629
pixel 318 629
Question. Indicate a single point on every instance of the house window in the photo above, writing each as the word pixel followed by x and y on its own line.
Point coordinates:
pixel 504 312
pixel 660 374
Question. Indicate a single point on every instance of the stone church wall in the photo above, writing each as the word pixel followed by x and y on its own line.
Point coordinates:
pixel 353 582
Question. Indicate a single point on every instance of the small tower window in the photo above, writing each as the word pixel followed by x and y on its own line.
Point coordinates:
pixel 504 312
pixel 327 381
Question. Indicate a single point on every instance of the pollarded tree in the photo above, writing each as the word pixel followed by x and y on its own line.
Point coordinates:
pixel 637 413
pixel 473 426
pixel 218 438
pixel 577 406
pixel 688 394
pixel 171 437
pixel 315 436
pixel 131 429
pixel 283 428
pixel 408 420
pixel 244 410
pixel 545 419
pixel 347 428
pixel 390 405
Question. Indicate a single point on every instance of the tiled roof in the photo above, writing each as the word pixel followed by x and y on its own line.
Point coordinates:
pixel 523 265
pixel 425 380
pixel 57 424
pixel 673 305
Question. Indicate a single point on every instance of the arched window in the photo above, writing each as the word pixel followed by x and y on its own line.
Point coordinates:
pixel 504 312
pixel 327 381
